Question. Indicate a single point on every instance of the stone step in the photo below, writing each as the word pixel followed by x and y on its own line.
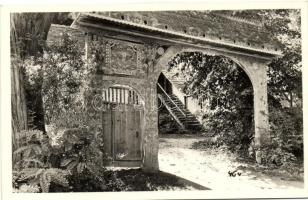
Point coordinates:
pixel 191 119
pixel 192 123
pixel 188 119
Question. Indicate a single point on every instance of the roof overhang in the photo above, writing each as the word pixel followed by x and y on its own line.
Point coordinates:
pixel 165 37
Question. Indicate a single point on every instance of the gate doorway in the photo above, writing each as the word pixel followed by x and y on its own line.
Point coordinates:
pixel 122 126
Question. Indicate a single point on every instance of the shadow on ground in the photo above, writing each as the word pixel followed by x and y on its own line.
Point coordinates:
pixel 117 180
pixel 139 180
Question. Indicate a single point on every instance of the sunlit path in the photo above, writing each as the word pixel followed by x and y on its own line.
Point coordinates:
pixel 210 167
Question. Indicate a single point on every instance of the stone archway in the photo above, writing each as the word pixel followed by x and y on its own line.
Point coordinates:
pixel 128 52
pixel 256 70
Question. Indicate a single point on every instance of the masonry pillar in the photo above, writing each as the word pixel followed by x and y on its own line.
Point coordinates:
pixel 262 135
pixel 151 141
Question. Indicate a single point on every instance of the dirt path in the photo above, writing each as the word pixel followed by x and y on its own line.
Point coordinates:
pixel 210 168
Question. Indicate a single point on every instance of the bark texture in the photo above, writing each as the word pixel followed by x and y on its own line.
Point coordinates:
pixel 28 35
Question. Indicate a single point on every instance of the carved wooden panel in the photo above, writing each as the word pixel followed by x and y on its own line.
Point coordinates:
pixel 123 58
pixel 118 57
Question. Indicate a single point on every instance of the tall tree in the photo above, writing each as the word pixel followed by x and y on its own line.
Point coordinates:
pixel 28 34
pixel 284 73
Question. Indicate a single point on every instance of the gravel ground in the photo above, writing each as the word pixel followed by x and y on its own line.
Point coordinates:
pixel 210 168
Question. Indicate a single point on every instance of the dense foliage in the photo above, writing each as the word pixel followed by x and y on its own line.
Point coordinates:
pixel 60 75
pixel 70 152
pixel 33 166
pixel 227 91
pixel 60 158
pixel 285 88
pixel 68 155
pixel 28 34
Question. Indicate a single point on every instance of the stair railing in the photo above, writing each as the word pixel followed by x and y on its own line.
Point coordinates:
pixel 176 106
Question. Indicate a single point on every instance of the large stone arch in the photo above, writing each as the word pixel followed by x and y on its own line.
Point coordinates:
pixel 171 52
pixel 156 46
pixel 255 68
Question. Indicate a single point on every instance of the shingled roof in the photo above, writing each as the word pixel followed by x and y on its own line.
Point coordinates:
pixel 211 25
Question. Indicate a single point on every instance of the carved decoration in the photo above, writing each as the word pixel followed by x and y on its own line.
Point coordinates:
pixel 149 58
pixel 98 54
pixel 122 57
pixel 117 57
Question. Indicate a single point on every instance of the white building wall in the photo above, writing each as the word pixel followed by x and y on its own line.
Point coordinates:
pixel 192 103
pixel 178 93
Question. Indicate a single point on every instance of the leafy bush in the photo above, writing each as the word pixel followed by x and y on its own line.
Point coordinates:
pixel 63 159
pixel 65 74
pixel 55 79
pixel 228 116
pixel 233 129
pixel 286 137
pixel 36 179
pixel 27 189
pixel 226 89
pixel 83 154
pixel 277 156
pixel 32 164
pixel 73 144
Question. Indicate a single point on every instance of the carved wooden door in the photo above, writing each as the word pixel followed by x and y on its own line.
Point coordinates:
pixel 122 126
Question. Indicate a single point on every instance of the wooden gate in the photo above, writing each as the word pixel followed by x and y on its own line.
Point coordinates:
pixel 122 126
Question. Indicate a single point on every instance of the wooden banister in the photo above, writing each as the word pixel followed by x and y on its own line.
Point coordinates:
pixel 171 100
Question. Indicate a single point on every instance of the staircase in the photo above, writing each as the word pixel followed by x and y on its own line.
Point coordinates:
pixel 177 110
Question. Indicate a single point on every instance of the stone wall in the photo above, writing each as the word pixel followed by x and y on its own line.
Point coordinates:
pixel 128 64
pixel 138 65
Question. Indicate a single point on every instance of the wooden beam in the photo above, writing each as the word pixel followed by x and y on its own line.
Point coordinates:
pixel 171 112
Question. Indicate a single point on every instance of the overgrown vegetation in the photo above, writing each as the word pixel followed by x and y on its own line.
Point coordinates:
pixel 68 154
pixel 70 151
pixel 61 157
pixel 73 163
pixel 33 165
pixel 228 93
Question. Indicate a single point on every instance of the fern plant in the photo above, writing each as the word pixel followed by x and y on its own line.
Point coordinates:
pixel 83 154
pixel 42 178
pixel 25 188
pixel 65 155
pixel 32 164
pixel 29 153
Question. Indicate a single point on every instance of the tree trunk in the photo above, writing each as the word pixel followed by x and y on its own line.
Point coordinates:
pixel 19 108
pixel 28 33
pixel 18 100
